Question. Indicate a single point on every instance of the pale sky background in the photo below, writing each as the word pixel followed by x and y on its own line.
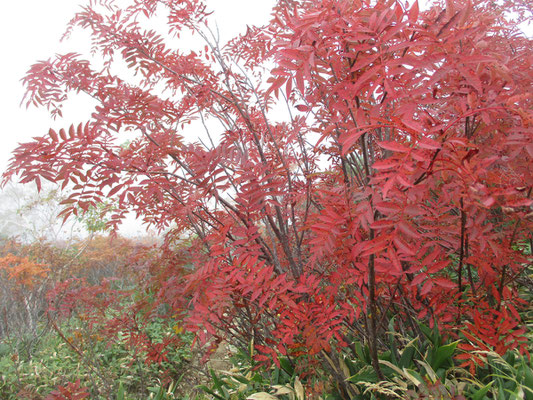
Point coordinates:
pixel 30 30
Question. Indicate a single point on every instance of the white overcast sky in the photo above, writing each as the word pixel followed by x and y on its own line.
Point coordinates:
pixel 30 30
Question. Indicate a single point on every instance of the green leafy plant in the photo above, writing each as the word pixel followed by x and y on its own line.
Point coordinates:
pixel 246 380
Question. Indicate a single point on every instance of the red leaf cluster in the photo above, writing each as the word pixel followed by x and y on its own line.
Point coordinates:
pixel 399 182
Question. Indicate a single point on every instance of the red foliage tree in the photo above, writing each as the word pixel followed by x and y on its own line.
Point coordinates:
pixel 397 183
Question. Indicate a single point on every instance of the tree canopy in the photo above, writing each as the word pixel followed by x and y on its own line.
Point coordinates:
pixel 351 165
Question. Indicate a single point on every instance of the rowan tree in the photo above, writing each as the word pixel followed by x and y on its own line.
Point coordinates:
pixel 395 182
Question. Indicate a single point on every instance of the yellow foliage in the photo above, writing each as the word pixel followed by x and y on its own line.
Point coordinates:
pixel 23 270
